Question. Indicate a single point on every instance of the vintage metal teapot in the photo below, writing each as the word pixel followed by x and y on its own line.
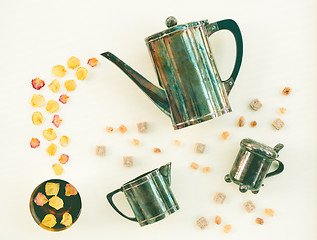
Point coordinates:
pixel 191 88
pixel 149 196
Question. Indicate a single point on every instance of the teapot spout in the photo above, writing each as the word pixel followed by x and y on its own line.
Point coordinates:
pixel 156 94
pixel 166 173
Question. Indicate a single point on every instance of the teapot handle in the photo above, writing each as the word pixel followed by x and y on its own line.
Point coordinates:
pixel 279 169
pixel 109 197
pixel 232 26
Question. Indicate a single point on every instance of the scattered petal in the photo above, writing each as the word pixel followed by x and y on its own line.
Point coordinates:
pixel 59 70
pixel 49 134
pixel 51 150
pixel 70 85
pixel 92 62
pixel 63 159
pixel 81 73
pixel 54 86
pixel 37 100
pixel 37 83
pixel 34 143
pixel 73 62
pixel 52 106
pixel 58 169
pixel 109 129
pixel 135 142
pixel 57 120
pixel 63 98
pixel 37 118
pixel 64 140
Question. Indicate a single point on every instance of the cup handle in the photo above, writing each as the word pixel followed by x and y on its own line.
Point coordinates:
pixel 109 198
pixel 232 26
pixel 279 169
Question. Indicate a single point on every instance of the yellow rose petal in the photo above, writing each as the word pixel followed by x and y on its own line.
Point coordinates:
pixel 37 118
pixel 49 220
pixel 70 85
pixel 81 73
pixel 54 86
pixel 59 70
pixel 52 106
pixel 37 100
pixel 73 62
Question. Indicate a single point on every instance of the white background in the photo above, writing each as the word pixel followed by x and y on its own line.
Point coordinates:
pixel 279 50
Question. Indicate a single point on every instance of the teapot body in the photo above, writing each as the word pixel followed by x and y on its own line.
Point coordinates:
pixel 187 72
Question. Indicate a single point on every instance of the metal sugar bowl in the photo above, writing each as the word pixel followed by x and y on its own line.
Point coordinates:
pixel 252 165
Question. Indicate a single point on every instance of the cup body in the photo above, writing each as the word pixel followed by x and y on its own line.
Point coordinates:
pixel 150 198
pixel 187 71
pixel 250 169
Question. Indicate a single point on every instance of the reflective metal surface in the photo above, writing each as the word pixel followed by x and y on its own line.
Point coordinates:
pixel 149 196
pixel 252 164
pixel 191 89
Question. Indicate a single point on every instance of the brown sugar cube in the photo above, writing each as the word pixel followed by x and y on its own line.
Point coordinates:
pixel 156 150
pixel 241 121
pixel 194 166
pixel 253 124
pixel 256 104
pixel 282 110
pixel 202 223
pixel 199 148
pixel 142 127
pixel 101 151
pixel 109 129
pixel 278 123
pixel 205 169
pixel 219 197
pixel 225 135
pixel 135 142
pixel 227 228
pixel 218 220
pixel 123 129
pixel 269 212
pixel 286 91
pixel 127 161
pixel 259 221
pixel 249 206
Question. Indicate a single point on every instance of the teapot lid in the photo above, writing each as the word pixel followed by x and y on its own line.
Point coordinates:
pixel 171 23
pixel 260 148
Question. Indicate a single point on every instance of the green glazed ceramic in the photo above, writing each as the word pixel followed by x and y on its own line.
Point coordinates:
pixel 191 90
pixel 149 196
pixel 252 164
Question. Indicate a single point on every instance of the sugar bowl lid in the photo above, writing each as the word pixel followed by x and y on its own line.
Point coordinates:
pixel 260 148
pixel 171 23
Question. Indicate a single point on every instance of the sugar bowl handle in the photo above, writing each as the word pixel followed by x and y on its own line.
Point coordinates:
pixel 109 198
pixel 232 26
pixel 279 169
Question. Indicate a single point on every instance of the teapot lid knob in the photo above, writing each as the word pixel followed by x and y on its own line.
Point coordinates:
pixel 170 21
